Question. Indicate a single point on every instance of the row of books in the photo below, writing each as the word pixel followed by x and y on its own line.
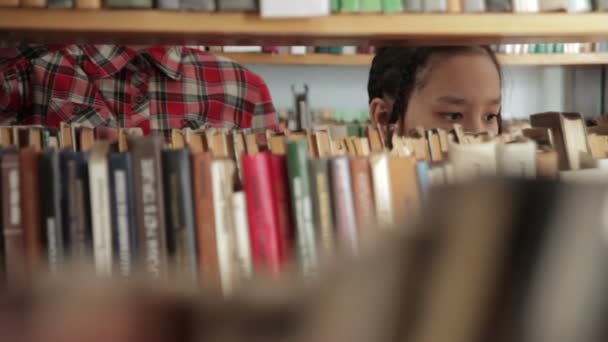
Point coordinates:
pixel 214 207
pixel 569 48
pixel 296 8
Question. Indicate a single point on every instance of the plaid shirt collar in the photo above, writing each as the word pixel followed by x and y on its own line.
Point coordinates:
pixel 106 60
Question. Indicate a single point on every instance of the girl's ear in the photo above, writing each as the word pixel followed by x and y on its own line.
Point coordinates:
pixel 380 111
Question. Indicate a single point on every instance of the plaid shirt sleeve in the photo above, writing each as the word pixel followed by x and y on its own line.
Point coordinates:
pixel 264 114
pixel 14 91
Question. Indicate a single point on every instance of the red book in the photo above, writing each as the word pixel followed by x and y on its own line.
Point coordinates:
pixel 280 192
pixel 268 247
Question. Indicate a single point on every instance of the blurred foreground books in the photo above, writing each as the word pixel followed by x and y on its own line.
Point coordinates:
pixel 501 260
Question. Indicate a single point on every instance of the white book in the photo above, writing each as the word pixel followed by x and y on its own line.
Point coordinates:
pixel 349 50
pixel 517 159
pixel 413 5
pixel 553 5
pixel 579 6
pixel 222 175
pixel 99 185
pixel 297 50
pixel 437 175
pixel 474 6
pixel 435 5
pixel 602 5
pixel 585 176
pixel 472 161
pixel 242 49
pixel 294 8
pixel 382 189
pixel 241 230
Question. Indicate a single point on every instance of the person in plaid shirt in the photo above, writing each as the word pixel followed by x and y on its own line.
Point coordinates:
pixel 157 88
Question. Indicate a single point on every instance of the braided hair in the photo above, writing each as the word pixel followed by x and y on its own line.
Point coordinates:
pixel 396 72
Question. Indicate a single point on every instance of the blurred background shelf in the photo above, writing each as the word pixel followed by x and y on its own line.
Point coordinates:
pixel 596 58
pixel 155 26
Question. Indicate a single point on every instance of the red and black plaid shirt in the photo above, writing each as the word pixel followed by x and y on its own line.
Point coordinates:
pixel 157 89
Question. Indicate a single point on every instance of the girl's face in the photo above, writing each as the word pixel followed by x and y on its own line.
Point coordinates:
pixel 463 89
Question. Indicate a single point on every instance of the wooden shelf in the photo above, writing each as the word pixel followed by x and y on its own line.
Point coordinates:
pixel 155 26
pixel 365 60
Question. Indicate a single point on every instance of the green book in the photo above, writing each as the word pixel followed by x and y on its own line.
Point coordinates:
pixel 354 130
pixel 370 6
pixel 335 6
pixel 336 50
pixel 551 48
pixel 350 6
pixel 392 6
pixel 301 200
pixel 129 3
pixel 559 48
pixel 542 48
pixel 322 49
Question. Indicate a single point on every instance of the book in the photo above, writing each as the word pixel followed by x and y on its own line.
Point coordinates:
pixel 322 205
pixel 392 6
pixel 60 3
pixel 498 5
pixel 168 4
pixel 241 231
pixel 370 6
pixel 87 4
pixel 517 159
pixel 472 161
pixel 405 189
pixel 363 193
pixel 435 5
pixel 350 6
pixel 262 213
pixel 413 5
pixel 553 5
pixel 76 206
pixel 547 164
pixel 9 3
pixel 50 210
pixel 128 4
pixel 335 6
pixel 181 234
pixel 237 5
pixel 101 224
pixel 149 205
pixel 474 6
pixel 301 199
pixel 569 136
pixel 601 5
pixel 12 224
pixel 290 9
pixel 30 209
pixel 542 136
pixel 344 206
pixel 281 195
pixel 122 207
pixel 379 163
pixel 455 6
pixel 202 182
pixel 34 3
pixel 222 175
pixel 580 6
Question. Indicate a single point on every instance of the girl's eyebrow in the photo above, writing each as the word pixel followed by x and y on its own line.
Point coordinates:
pixel 449 99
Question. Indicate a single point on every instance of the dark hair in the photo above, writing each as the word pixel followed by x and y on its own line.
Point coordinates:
pixel 395 70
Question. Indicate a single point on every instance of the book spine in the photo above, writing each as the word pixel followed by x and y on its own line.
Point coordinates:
pixel 382 189
pixel 299 185
pixel 499 5
pixel 87 4
pixel 344 213
pixel 280 195
pixel 100 210
pixel 151 233
pixel 392 6
pixel 237 5
pixel 335 6
pixel 209 273
pixel 166 4
pixel 350 5
pixel 34 3
pixel 436 5
pixel 9 3
pixel 129 3
pixel 123 214
pixel 241 230
pixel 322 205
pixel 474 6
pixel 261 213
pixel 370 6
pixel 181 235
pixel 60 3
pixel 222 173
pixel 413 5
pixel 12 227
pixel 30 209
pixel 456 6
pixel 363 195
pixel 50 210
pixel 201 5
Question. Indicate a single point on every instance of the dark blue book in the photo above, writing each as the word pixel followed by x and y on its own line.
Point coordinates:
pixel 50 210
pixel 75 206
pixel 181 234
pixel 122 209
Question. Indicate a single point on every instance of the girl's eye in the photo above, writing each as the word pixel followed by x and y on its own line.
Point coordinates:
pixel 452 116
pixel 490 117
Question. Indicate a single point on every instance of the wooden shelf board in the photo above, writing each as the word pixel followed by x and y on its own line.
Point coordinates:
pixel 365 60
pixel 187 27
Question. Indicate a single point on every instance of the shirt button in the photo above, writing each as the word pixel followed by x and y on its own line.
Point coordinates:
pixel 139 98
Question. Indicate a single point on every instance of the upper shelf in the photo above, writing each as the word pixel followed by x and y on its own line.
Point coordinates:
pixel 171 27
pixel 594 58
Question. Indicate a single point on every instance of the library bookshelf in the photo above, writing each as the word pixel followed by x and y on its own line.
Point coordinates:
pixel 365 60
pixel 182 27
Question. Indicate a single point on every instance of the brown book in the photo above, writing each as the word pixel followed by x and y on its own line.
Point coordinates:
pixel 404 187
pixel 251 144
pixel 364 196
pixel 218 143
pixel 569 136
pixel 455 6
pixel 12 227
pixel 541 135
pixel 598 145
pixel 547 163
pixel 35 138
pixel 323 144
pixel 34 3
pixel 30 209
pixel 375 142
pixel 87 4
pixel 177 139
pixel 149 204
pixel 434 145
pixel 277 144
pixel 124 134
pixel 6 136
pixel 238 149
pixel 85 138
pixel 66 138
pixel 9 3
pixel 202 183
pixel 197 142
